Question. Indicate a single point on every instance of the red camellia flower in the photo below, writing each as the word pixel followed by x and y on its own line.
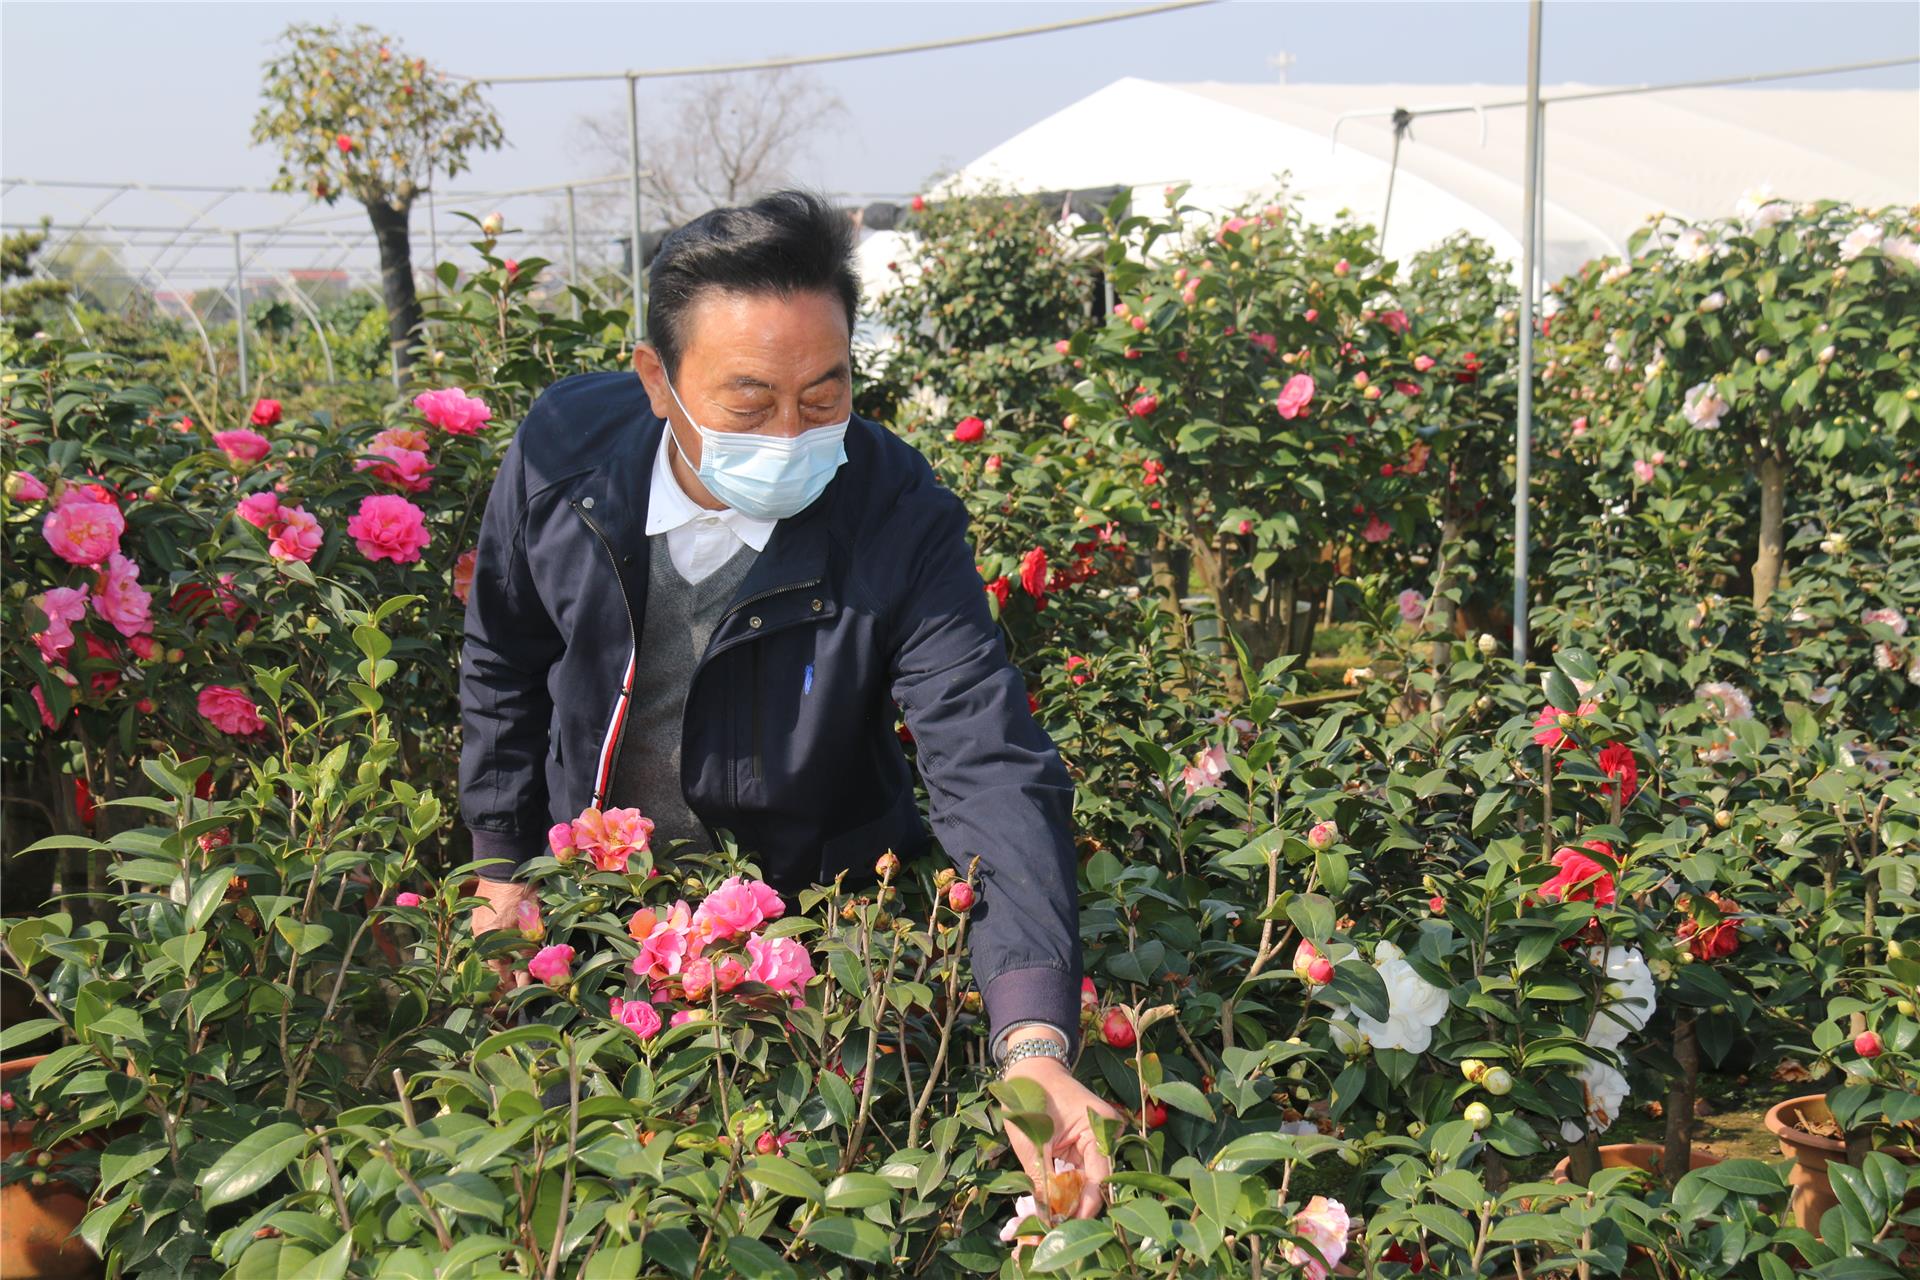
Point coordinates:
pixel 1156 1114
pixel 1002 590
pixel 1618 763
pixel 83 806
pixel 1117 1030
pixel 919 204
pixel 969 430
pixel 1581 878
pixel 1868 1045
pixel 1144 406
pixel 343 142
pixel 1079 677
pixel 1033 573
pixel 266 413
pixel 1151 471
pixel 1469 368
pixel 1550 734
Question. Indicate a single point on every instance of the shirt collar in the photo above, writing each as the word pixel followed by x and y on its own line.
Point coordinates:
pixel 669 507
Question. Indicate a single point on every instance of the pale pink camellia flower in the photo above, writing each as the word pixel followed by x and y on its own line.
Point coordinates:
pixel 405 469
pixel 259 509
pixel 399 438
pixel 1643 471
pixel 1322 835
pixel 737 906
pixel 406 900
pixel 1659 457
pixel 388 527
pixel 82 531
pixel 230 711
pixel 1862 238
pixel 1580 426
pixel 1704 406
pixel 1205 772
pixel 1413 606
pixel 241 446
pixel 1423 363
pixel 610 838
pixel 63 606
pixel 1377 530
pixel 636 1016
pixel 1728 701
pixel 1887 618
pixel 1295 396
pixel 24 486
pixel 780 963
pixel 1324 1224
pixel 1885 657
pixel 266 413
pixel 463 574
pixel 296 535
pixel 552 964
pixel 119 600
pixel 453 410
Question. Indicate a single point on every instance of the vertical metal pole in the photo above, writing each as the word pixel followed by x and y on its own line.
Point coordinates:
pixel 1540 209
pixel 1523 442
pixel 1401 119
pixel 240 312
pixel 633 162
pixel 433 243
pixel 573 252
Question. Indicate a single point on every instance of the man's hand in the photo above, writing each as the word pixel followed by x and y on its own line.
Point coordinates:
pixel 502 911
pixel 1068 1102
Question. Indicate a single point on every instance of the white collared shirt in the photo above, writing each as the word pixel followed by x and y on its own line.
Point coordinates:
pixel 698 540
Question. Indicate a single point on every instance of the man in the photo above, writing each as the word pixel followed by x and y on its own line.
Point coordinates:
pixel 700 592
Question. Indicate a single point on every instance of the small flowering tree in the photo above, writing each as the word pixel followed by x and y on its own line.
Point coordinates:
pixel 351 114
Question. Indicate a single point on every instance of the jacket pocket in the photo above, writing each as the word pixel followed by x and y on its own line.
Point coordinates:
pixel 898 827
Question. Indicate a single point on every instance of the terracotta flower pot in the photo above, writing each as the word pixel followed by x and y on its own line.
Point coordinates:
pixel 1811 1153
pixel 1646 1156
pixel 38 1225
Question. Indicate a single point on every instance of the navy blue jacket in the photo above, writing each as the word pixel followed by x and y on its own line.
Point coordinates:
pixel 868 597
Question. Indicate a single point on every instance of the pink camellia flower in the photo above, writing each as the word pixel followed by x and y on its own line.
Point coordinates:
pixel 1267 342
pixel 406 899
pixel 145 648
pixel 1089 994
pixel 230 711
pixel 1144 407
pixel 46 712
pixel 241 446
pixel 388 527
pixel 1295 396
pixel 1324 1224
pixel 1580 425
pixel 24 486
pixel 296 535
pixel 560 840
pixel 668 943
pixel 400 438
pixel 683 1017
pixel 1395 321
pixel 511 266
pixel 1867 1045
pixel 119 600
pixel 404 469
pixel 63 606
pixel 453 410
pixel 1063 346
pixel 266 413
pixel 551 964
pixel 1413 606
pixel 612 837
pixel 1341 267
pixel 636 1016
pixel 6 1102
pixel 1377 530
pixel 1321 835
pixel 463 574
pixel 1312 314
pixel 1643 471
pixel 969 430
pixel 259 509
pixel 81 531
pixel 1892 618
pixel 779 963
pixel 1205 772
pixel 527 919
pixel 1423 363
pixel 992 464
pixel 701 973
pixel 1229 226
pixel 737 906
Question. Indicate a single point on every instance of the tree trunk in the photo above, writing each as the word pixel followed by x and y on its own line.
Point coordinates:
pixel 396 280
pixel 1773 520
pixel 1686 1051
pixel 1166 582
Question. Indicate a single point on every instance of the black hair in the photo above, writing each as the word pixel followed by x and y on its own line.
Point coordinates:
pixel 785 243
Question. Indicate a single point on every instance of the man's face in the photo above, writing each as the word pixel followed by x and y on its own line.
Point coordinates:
pixel 756 363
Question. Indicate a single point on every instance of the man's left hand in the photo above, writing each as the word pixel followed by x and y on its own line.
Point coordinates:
pixel 1068 1104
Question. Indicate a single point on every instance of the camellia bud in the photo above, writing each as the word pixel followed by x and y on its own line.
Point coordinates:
pixel 492 224
pixel 176 655
pixel 1486 644
pixel 1416 1128
pixel 1322 834
pixel 1478 1115
pixel 888 865
pixel 1497 1081
pixel 960 896
pixel 1905 1008
pixel 1722 819
pixel 1482 702
pixel 1117 1030
pixel 1472 1069
pixel 1826 355
pixel 944 877
pixel 1867 1045
pixel 1895 951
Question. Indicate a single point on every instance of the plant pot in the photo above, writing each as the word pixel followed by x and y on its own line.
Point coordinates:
pixel 39 1225
pixel 1646 1156
pixel 1811 1153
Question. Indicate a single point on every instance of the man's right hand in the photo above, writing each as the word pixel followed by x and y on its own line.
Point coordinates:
pixel 501 910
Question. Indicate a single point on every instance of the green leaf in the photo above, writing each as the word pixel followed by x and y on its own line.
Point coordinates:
pixel 1313 915
pixel 251 1163
pixel 1069 1243
pixel 853 1238
pixel 1744 1177
pixel 755 1260
pixel 858 1191
pixel 1185 1097
pixel 783 1177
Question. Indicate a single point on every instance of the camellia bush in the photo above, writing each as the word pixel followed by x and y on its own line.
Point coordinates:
pixel 1372 980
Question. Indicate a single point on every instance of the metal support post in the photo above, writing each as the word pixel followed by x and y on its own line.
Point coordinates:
pixel 1523 441
pixel 240 312
pixel 639 243
pixel 573 252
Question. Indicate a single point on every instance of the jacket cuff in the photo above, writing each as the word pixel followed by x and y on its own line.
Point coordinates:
pixel 1035 995
pixel 511 846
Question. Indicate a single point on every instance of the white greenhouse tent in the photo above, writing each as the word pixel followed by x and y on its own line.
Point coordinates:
pixel 1610 162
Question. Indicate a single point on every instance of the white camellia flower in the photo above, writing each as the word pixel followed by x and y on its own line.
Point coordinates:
pixel 1913 672
pixel 1414 1005
pixel 1605 1090
pixel 1713 301
pixel 1867 235
pixel 1822 695
pixel 1760 208
pixel 1692 246
pixel 1704 406
pixel 1903 248
pixel 1616 273
pixel 1629 998
pixel 1347 1038
pixel 1729 702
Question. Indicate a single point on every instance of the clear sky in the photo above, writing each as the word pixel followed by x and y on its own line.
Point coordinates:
pixel 168 91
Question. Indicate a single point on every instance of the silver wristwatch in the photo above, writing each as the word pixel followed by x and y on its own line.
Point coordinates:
pixel 1034 1047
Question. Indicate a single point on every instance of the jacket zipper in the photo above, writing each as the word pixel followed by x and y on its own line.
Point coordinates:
pixel 733 790
pixel 633 641
pixel 757 646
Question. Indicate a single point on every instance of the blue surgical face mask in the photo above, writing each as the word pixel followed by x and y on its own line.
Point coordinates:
pixel 766 477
